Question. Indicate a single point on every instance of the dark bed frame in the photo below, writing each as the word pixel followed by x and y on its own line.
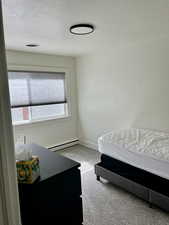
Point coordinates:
pixel 145 185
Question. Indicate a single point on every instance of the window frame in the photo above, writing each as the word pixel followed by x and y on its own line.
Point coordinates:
pixel 47 69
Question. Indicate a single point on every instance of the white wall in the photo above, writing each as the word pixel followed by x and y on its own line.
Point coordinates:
pixel 53 132
pixel 123 87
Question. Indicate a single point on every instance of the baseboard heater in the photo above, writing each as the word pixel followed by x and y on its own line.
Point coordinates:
pixel 66 144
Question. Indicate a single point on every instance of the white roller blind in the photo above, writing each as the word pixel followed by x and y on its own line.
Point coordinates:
pixel 36 88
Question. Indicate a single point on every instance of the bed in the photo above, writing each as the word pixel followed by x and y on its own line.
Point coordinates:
pixel 137 160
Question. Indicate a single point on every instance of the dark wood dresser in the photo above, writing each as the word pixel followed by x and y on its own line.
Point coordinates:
pixel 55 198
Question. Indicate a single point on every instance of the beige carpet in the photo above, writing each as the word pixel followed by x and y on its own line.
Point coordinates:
pixel 105 204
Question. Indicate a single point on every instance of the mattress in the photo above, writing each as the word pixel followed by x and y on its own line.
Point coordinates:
pixel 142 148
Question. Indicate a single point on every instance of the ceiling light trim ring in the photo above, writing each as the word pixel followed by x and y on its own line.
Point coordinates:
pixel 90 27
pixel 32 45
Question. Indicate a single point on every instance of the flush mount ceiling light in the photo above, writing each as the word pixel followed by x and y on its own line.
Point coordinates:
pixel 32 45
pixel 81 29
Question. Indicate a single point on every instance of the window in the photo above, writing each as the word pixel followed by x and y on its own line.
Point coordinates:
pixel 37 95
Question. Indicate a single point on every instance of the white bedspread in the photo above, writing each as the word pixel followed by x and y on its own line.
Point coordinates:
pixel 143 141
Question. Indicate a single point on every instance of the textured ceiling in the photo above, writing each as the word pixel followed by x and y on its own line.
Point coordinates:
pixel 47 22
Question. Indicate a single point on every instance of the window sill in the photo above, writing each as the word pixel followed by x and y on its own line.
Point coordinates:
pixel 40 120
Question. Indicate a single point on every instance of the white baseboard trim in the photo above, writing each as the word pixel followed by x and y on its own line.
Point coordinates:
pixel 89 144
pixel 64 145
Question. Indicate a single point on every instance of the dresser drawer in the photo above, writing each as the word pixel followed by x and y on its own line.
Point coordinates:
pixel 63 209
pixel 58 212
pixel 63 186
